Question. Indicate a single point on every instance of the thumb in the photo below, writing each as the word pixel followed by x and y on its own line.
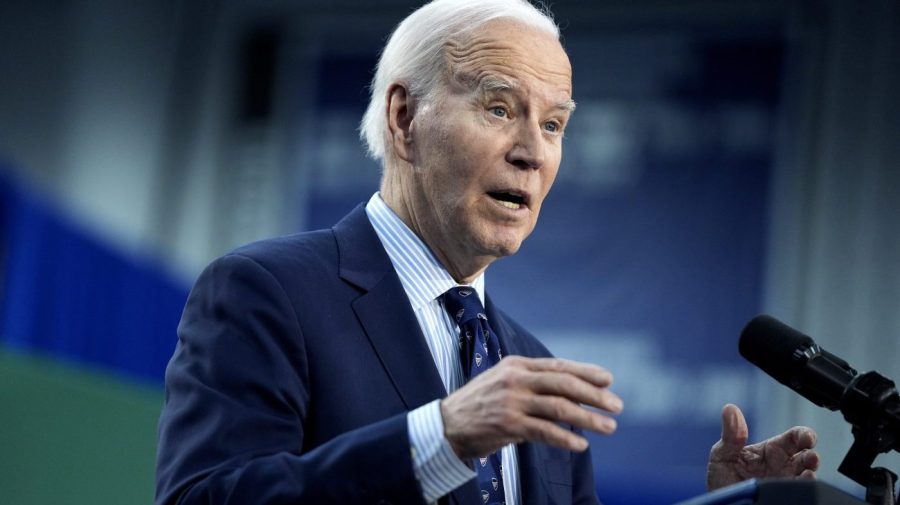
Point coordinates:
pixel 734 432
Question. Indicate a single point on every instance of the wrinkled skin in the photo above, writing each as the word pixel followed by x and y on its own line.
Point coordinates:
pixel 790 454
pixel 496 125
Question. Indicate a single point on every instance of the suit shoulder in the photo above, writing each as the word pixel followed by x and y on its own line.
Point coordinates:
pixel 307 252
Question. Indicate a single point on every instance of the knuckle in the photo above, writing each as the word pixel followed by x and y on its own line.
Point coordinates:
pixel 531 431
pixel 512 361
pixel 558 365
pixel 503 420
pixel 503 381
pixel 559 408
pixel 509 378
pixel 571 385
pixel 545 433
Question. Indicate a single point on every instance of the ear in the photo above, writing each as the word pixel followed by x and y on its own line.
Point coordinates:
pixel 400 110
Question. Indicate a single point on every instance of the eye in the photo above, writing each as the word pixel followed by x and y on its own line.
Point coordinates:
pixel 552 127
pixel 499 111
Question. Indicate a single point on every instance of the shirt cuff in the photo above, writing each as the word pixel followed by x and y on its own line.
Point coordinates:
pixel 436 466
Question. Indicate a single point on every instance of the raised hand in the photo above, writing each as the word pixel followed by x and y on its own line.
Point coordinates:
pixel 790 454
pixel 522 399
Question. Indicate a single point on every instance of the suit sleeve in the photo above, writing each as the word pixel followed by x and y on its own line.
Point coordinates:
pixel 232 428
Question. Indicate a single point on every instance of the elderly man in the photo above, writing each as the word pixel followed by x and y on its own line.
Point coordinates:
pixel 316 368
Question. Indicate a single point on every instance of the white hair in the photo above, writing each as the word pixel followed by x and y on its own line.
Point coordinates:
pixel 414 53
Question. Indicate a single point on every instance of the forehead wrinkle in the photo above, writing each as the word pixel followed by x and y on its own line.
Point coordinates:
pixel 501 62
pixel 494 77
pixel 468 59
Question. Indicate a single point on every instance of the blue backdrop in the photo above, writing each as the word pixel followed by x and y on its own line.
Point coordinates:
pixel 66 293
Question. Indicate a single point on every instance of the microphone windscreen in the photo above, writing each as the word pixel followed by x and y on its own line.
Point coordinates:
pixel 770 344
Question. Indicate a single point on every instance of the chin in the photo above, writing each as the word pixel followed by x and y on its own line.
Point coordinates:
pixel 500 246
pixel 499 241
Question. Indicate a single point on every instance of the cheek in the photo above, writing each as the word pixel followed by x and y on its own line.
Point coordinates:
pixel 447 193
pixel 460 174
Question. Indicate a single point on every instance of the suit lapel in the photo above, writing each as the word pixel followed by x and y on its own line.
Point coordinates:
pixel 383 310
pixel 510 342
pixel 385 314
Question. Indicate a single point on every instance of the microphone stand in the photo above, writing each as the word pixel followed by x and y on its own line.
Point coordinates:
pixel 872 407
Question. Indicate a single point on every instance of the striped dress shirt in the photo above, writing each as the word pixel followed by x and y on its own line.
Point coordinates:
pixel 424 279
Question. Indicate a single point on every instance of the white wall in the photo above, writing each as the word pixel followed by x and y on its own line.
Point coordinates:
pixel 834 255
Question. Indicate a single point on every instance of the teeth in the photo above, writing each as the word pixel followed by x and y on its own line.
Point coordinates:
pixel 510 205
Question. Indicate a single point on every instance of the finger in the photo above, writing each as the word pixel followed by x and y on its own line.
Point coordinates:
pixel 594 374
pixel 575 389
pixel 808 474
pixel 734 427
pixel 550 433
pixel 559 409
pixel 805 460
pixel 795 440
pixel 734 433
pixel 811 460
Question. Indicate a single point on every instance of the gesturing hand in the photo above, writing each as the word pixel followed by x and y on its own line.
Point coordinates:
pixel 522 399
pixel 790 454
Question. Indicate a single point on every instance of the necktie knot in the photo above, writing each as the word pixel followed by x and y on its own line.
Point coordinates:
pixel 463 305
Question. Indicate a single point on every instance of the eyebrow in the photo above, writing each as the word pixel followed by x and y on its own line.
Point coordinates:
pixel 499 85
pixel 496 84
pixel 568 106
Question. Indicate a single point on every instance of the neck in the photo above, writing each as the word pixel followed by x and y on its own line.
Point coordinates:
pixel 463 267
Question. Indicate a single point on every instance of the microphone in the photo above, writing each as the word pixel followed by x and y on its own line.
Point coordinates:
pixel 869 401
pixel 796 361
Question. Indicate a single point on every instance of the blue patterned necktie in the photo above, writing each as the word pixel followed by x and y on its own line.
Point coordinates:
pixel 479 348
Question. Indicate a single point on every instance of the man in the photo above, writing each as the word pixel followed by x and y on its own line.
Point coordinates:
pixel 316 368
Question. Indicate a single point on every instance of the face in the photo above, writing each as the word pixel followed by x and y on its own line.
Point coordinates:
pixel 485 152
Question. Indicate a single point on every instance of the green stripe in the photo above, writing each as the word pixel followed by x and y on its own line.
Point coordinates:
pixel 72 435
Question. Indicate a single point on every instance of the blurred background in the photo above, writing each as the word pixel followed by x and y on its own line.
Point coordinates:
pixel 727 158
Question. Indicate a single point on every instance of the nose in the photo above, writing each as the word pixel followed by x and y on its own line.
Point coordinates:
pixel 529 148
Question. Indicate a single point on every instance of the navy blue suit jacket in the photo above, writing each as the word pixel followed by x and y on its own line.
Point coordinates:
pixel 297 362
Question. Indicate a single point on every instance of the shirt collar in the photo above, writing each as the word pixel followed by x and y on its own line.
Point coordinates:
pixel 423 277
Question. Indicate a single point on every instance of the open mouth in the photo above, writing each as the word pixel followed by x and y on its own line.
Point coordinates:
pixel 508 199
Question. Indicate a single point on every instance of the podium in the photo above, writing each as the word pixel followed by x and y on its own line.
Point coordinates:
pixel 776 492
